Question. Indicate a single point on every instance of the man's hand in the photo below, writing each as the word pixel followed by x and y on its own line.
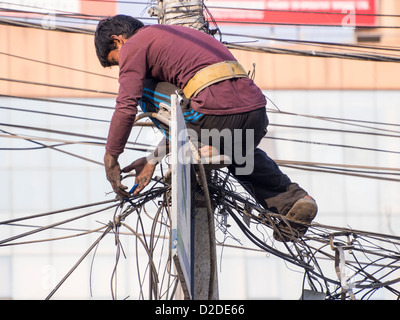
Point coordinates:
pixel 113 173
pixel 144 172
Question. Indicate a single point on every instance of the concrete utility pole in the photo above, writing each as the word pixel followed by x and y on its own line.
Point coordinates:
pixel 180 12
pixel 204 270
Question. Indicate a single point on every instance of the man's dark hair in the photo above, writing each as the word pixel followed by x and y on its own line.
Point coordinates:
pixel 120 24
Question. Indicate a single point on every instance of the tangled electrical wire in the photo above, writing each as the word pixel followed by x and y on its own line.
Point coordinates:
pixel 364 262
pixel 139 209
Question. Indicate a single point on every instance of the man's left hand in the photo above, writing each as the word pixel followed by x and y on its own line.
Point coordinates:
pixel 113 173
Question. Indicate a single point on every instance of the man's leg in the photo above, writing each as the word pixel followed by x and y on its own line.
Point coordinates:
pixel 277 193
pixel 271 187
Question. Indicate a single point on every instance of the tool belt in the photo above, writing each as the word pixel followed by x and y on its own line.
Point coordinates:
pixel 212 74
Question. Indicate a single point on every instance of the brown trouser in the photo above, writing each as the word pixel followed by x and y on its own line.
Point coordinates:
pixel 270 186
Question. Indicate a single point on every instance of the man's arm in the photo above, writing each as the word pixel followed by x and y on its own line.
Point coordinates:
pixel 133 68
pixel 132 74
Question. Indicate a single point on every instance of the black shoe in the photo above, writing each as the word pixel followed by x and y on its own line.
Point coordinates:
pixel 299 216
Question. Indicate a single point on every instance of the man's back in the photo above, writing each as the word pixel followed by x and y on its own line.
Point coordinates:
pixel 174 54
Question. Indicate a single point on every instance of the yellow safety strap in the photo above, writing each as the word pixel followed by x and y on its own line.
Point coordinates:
pixel 212 74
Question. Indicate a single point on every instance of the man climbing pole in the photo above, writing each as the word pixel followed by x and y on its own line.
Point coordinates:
pixel 217 95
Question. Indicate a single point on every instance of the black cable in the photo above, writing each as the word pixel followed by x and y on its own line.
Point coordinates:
pixel 333 145
pixel 283 24
pixel 54 114
pixel 318 43
pixel 145 146
pixel 4 242
pixel 94 245
pixel 45 214
pixel 346 121
pixel 49 100
pixel 302 11
pixel 57 86
pixel 57 65
pixel 336 130
pixel 313 53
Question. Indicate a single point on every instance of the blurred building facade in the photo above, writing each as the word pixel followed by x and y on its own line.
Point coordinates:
pixel 35 60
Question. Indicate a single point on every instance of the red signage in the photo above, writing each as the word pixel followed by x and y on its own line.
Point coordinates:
pixel 31 8
pixel 305 12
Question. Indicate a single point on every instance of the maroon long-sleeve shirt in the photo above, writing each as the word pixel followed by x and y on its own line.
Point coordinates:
pixel 174 54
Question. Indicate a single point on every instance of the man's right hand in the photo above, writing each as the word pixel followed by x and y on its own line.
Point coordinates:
pixel 113 174
pixel 144 172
